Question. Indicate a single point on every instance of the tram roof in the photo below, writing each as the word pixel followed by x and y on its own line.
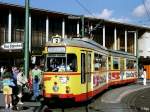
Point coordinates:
pixel 81 42
pixel 94 45
pixel 121 53
pixel 90 44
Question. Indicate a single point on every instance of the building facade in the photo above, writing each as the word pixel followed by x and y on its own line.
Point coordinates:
pixel 44 24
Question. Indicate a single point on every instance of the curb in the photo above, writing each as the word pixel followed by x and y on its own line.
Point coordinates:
pixel 129 92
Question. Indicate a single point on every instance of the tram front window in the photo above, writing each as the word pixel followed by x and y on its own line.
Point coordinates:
pixel 62 64
pixel 55 64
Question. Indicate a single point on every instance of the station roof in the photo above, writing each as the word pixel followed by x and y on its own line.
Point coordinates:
pixel 141 29
pixel 120 25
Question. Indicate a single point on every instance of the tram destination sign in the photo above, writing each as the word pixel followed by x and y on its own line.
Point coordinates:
pixel 12 46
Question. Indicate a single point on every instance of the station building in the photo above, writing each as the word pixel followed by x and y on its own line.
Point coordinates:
pixel 43 24
pixel 144 52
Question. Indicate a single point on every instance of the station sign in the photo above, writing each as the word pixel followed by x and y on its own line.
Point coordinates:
pixel 12 46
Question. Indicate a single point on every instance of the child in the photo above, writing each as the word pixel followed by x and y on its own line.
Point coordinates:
pixel 7 90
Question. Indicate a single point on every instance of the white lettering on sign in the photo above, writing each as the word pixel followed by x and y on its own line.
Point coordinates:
pixel 12 46
pixel 56 49
pixel 56 40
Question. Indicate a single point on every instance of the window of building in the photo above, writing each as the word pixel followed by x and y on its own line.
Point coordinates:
pixel 38 31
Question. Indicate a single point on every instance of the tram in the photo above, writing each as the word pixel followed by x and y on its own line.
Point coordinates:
pixel 79 68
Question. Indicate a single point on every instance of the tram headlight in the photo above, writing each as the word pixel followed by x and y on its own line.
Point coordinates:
pixel 55 87
pixel 67 89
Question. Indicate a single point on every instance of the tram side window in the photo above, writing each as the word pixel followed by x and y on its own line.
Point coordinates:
pixel 115 63
pixel 104 61
pixel 71 62
pixel 97 61
pixel 130 64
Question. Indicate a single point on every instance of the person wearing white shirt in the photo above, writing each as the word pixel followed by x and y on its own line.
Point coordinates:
pixel 21 80
pixel 144 77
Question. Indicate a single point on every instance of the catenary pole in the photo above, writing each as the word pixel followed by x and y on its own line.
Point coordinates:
pixel 137 54
pixel 82 19
pixel 26 39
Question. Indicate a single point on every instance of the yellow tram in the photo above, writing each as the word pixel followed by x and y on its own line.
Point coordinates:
pixel 79 69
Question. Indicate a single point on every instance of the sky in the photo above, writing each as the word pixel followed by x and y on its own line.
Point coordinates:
pixel 126 11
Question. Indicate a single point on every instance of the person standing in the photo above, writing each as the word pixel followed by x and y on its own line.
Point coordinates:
pixel 21 81
pixel 36 81
pixel 7 90
pixel 144 77
pixel 14 73
pixel 1 73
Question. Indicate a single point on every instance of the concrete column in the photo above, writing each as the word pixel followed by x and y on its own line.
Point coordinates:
pixel 135 46
pixel 91 28
pixel 125 40
pixel 9 26
pixel 115 39
pixel 104 35
pixel 118 41
pixel 4 35
pixel 47 29
pixel 90 31
pixel 78 29
pixel 30 40
pixel 83 27
pixel 63 28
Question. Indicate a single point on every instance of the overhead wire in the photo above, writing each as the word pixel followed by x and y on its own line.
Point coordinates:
pixel 89 12
pixel 146 9
pixel 83 7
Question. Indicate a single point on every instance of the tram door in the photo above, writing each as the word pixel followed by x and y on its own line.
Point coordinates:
pixel 86 72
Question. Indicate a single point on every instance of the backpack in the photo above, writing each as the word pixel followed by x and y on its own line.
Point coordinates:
pixel 36 79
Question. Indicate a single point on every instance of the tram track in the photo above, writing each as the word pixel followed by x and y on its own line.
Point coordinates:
pixel 138 101
pixel 92 106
